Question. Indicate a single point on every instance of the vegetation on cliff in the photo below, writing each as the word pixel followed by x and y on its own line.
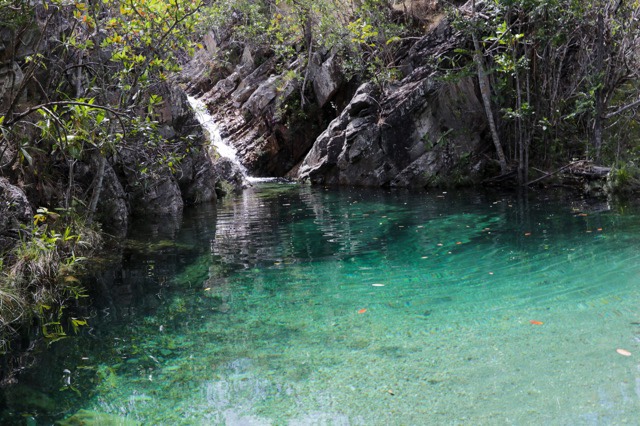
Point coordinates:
pixel 564 78
pixel 85 96
pixel 558 80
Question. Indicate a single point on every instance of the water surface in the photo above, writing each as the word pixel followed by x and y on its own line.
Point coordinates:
pixel 292 305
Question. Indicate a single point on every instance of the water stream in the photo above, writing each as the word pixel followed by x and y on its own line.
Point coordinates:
pixel 212 129
pixel 293 305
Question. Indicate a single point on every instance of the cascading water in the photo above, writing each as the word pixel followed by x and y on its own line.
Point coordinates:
pixel 225 150
pixel 209 124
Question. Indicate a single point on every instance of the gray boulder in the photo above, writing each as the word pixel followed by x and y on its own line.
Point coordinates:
pixel 113 206
pixel 421 133
pixel 14 211
pixel 327 80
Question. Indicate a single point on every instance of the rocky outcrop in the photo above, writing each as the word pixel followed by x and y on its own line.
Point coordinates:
pixel 162 192
pixel 15 210
pixel 230 173
pixel 420 132
pixel 327 78
pixel 201 188
pixel 113 207
pixel 423 130
pixel 259 106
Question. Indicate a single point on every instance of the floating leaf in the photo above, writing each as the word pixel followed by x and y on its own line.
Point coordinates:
pixel 623 352
pixel 362 311
pixel 534 322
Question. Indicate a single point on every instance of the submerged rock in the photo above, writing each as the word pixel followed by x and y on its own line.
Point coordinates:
pixel 25 398
pixel 94 418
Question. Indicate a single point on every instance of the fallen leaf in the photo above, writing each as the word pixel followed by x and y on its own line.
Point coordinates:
pixel 623 352
pixel 362 311
pixel 534 322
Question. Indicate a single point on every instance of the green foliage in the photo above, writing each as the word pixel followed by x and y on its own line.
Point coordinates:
pixel 363 34
pixel 145 38
pixel 548 80
pixel 102 78
pixel 42 275
pixel 624 179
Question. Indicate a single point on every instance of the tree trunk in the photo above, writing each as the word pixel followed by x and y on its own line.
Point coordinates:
pixel 485 92
pixel 599 103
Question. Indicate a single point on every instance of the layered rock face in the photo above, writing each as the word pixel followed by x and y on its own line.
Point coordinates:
pixel 423 130
pixel 259 109
pixel 422 133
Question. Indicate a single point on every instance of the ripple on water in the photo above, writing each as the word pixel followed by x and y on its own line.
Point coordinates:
pixel 299 306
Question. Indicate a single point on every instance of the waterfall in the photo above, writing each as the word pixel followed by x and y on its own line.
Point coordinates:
pixel 208 123
pixel 225 150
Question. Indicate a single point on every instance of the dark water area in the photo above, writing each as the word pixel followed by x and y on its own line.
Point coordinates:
pixel 299 305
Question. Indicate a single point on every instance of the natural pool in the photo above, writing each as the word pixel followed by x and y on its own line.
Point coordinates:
pixel 293 305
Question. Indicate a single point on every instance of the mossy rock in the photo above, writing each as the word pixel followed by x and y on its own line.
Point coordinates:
pixel 624 180
pixel 25 398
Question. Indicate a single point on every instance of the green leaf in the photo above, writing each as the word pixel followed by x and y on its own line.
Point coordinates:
pixel 393 40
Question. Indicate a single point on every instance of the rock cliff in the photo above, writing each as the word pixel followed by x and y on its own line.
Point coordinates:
pixel 43 173
pixel 271 118
pixel 422 130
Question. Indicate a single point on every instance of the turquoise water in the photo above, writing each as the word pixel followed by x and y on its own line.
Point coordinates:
pixel 292 305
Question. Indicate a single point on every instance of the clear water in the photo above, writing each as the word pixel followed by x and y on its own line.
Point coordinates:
pixel 293 305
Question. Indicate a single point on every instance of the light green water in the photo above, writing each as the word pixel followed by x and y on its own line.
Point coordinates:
pixel 301 306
